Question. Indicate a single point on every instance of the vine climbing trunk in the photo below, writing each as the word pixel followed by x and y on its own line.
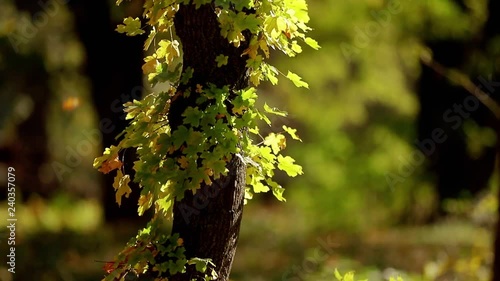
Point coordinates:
pixel 209 221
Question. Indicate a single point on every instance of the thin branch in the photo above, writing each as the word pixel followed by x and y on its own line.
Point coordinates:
pixel 464 81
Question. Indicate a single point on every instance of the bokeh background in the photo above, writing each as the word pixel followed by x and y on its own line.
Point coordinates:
pixel 398 152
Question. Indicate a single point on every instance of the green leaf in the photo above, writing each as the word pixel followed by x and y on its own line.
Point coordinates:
pixel 260 187
pixel 296 47
pixel 198 3
pixel 186 76
pixel 297 80
pixel 312 43
pixel 277 190
pixel 179 136
pixel 200 264
pixel 274 110
pixel 292 132
pixel 247 21
pixel 131 27
pixel 192 116
pixel 277 142
pixel 349 276
pixel 269 69
pixel 338 276
pixel 287 165
pixel 249 94
pixel 221 60
pixel 150 39
pixel 218 167
pixel 263 117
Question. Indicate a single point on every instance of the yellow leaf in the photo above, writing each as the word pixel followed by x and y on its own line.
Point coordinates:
pixel 251 51
pixel 168 50
pixel 171 150
pixel 145 201
pixel 292 132
pixel 150 65
pixel 277 142
pixel 264 47
pixel 199 88
pixel 180 241
pixel 121 186
pixel 239 110
pixel 183 161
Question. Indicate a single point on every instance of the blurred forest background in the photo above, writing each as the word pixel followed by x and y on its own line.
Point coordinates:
pixel 393 81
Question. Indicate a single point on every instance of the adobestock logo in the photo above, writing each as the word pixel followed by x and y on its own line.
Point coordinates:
pixel 364 36
pixel 311 263
pixel 454 116
pixel 28 27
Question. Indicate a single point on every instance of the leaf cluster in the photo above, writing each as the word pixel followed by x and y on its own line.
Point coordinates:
pixel 224 122
pixel 156 255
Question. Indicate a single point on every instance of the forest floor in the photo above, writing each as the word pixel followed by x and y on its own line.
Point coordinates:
pixel 72 245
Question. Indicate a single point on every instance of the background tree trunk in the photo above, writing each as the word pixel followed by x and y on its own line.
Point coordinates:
pixel 492 31
pixel 457 172
pixel 28 151
pixel 209 225
pixel 113 67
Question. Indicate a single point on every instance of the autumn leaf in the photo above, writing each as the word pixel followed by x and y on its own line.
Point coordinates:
pixel 145 202
pixel 111 164
pixel 183 162
pixel 150 65
pixel 70 103
pixel 109 153
pixel 180 242
pixel 131 26
pixel 109 267
pixel 121 186
pixel 263 46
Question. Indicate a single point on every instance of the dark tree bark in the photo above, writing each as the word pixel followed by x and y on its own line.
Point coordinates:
pixel 28 151
pixel 441 108
pixel 491 31
pixel 113 66
pixel 209 225
pixel 496 258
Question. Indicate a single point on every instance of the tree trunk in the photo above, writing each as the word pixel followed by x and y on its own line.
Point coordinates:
pixel 113 67
pixel 26 74
pixel 209 223
pixel 457 172
pixel 492 31
pixel 496 259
